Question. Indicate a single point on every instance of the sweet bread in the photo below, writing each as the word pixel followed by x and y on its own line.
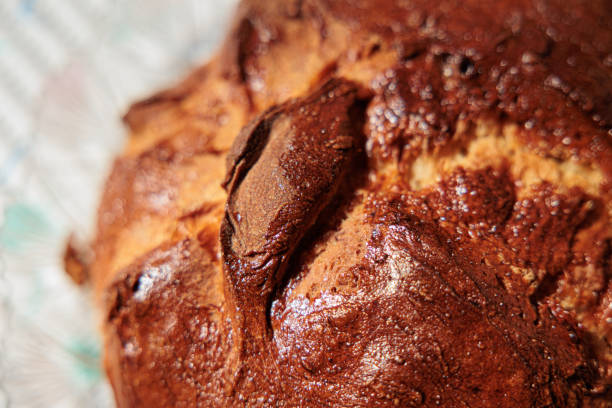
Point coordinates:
pixel 369 203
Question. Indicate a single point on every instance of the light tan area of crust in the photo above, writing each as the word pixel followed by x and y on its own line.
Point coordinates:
pixel 342 249
pixel 149 233
pixel 291 69
pixel 219 113
pixel 365 70
pixel 495 145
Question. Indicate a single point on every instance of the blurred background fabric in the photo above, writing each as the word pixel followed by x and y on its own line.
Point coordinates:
pixel 68 70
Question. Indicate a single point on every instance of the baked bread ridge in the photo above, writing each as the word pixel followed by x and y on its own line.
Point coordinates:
pixel 418 212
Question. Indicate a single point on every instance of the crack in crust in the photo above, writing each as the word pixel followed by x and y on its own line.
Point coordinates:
pixel 282 171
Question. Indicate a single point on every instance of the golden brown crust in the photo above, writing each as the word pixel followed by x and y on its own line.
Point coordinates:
pixel 418 212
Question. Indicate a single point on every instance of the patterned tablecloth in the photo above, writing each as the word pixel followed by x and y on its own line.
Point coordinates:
pixel 68 69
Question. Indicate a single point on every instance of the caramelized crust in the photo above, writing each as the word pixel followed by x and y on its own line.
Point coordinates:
pixel 416 211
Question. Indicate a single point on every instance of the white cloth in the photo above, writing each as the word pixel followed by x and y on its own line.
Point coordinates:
pixel 68 69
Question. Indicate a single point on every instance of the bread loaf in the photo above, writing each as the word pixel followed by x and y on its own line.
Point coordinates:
pixel 362 203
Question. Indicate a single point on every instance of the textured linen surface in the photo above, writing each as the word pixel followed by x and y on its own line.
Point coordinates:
pixel 68 70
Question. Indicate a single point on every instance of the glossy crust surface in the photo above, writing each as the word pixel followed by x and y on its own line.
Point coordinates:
pixel 366 203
